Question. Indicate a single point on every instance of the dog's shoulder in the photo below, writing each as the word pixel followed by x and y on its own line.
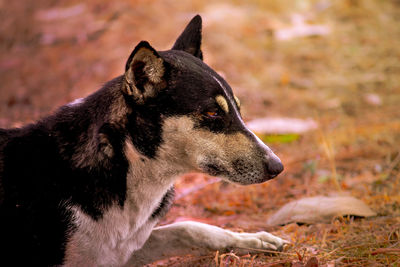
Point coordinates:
pixel 69 154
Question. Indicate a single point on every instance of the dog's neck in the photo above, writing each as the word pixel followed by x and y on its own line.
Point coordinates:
pixel 148 178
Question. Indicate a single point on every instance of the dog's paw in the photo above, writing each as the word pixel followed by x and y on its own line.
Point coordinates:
pixel 253 242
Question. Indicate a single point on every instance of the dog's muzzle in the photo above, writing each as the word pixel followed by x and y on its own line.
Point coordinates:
pixel 272 164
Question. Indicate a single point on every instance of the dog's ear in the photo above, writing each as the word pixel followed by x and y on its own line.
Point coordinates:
pixel 144 73
pixel 190 39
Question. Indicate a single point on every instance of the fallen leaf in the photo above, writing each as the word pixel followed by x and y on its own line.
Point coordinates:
pixel 60 13
pixel 299 256
pixel 278 138
pixel 281 125
pixel 319 209
pixel 300 28
pixel 312 262
pixel 373 99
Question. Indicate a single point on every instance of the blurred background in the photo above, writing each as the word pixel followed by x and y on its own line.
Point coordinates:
pixel 319 81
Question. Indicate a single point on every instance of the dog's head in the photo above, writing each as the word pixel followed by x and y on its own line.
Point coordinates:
pixel 189 116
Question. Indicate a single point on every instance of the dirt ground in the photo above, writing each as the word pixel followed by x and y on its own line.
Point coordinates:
pixel 344 74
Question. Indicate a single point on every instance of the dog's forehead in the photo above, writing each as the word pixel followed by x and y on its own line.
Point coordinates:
pixel 197 73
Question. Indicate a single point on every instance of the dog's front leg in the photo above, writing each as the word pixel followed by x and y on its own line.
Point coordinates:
pixel 198 239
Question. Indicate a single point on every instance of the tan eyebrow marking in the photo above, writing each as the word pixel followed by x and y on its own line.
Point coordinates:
pixel 222 103
pixel 237 101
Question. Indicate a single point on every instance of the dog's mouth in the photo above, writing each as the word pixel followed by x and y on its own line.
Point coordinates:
pixel 214 169
pixel 242 172
pixel 250 172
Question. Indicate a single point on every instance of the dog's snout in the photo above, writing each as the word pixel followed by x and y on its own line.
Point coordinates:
pixel 273 166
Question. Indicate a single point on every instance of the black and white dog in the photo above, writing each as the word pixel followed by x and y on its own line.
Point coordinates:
pixel 87 185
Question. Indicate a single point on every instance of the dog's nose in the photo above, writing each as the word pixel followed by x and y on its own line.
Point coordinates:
pixel 274 166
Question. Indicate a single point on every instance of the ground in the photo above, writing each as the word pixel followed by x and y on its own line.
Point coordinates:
pixel 345 76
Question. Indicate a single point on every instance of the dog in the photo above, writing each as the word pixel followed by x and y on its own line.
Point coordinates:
pixel 87 185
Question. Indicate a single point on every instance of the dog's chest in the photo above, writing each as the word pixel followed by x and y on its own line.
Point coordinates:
pixel 109 241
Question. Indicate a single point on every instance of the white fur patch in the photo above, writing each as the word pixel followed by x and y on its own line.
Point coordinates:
pixel 111 240
pixel 76 102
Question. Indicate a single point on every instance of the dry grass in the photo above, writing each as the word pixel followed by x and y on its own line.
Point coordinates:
pixel 331 78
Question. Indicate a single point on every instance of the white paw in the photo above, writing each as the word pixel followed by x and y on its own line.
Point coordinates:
pixel 251 242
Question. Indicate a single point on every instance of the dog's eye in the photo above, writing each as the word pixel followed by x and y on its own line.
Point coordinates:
pixel 212 114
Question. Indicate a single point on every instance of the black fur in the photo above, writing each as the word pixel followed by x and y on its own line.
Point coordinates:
pixel 190 39
pixel 164 205
pixel 38 177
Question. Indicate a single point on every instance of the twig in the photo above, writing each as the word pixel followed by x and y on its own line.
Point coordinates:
pixel 385 250
pixel 230 254
pixel 330 154
pixel 393 164
pixel 355 246
pixel 216 258
pixel 369 244
pixel 268 251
